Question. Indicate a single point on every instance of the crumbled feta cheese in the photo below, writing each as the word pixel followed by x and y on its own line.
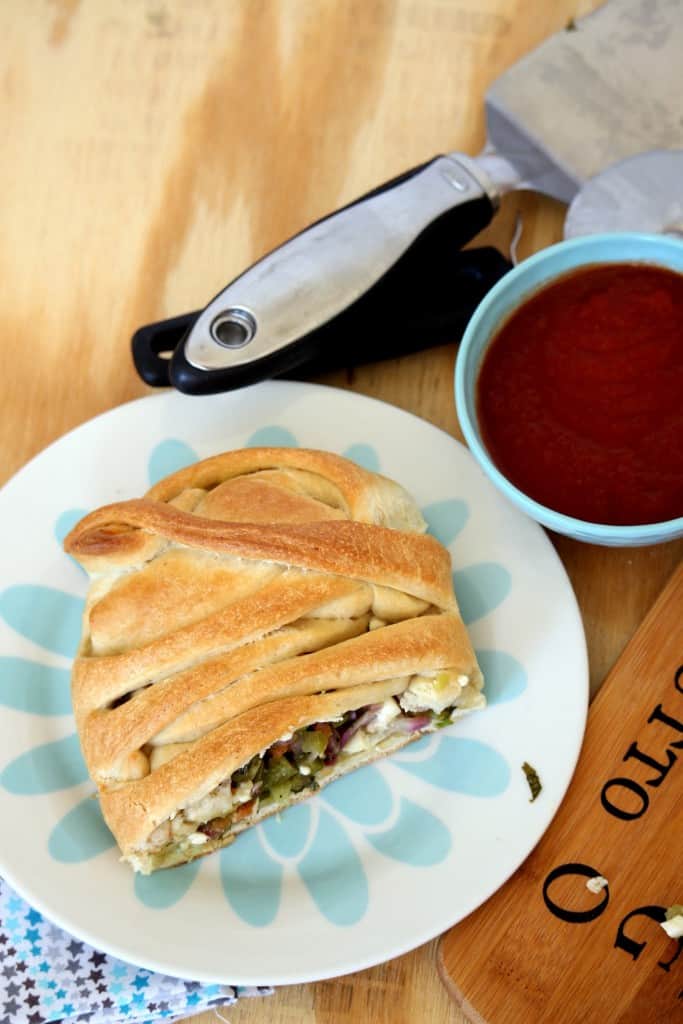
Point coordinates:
pixel 197 838
pixel 388 711
pixel 213 805
pixel 674 926
pixel 359 741
pixel 181 828
pixel 243 792
pixel 431 693
pixel 596 884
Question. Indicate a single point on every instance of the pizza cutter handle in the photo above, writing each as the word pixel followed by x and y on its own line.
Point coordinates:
pixel 154 344
pixel 426 300
pixel 261 323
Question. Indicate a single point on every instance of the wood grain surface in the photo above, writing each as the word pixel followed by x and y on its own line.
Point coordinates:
pixel 622 819
pixel 154 148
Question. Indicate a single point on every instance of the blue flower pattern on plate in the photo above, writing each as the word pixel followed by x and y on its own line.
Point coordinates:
pixel 80 835
pixel 312 837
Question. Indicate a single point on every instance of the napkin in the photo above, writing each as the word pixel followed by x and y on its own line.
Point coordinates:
pixel 47 975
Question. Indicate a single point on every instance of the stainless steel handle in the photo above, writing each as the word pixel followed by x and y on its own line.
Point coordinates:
pixel 320 272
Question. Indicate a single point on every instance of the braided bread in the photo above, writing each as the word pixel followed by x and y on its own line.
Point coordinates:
pixel 257 625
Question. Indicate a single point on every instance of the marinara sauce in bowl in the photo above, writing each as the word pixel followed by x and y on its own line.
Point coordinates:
pixel 569 388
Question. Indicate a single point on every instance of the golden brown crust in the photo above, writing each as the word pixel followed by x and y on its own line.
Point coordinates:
pixel 110 735
pixel 186 706
pixel 362 495
pixel 237 601
pixel 410 562
pixel 97 681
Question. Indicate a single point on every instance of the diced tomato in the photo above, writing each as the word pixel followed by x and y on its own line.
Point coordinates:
pixel 215 828
pixel 280 748
pixel 244 809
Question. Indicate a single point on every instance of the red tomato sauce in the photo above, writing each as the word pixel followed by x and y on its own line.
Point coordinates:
pixel 580 395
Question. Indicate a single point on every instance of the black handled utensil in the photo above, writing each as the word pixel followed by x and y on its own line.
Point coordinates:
pixel 598 92
pixel 425 300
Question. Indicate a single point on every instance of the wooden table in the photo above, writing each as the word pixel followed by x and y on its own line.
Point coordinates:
pixel 153 148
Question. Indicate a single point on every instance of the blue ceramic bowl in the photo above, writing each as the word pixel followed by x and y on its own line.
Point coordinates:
pixel 508 294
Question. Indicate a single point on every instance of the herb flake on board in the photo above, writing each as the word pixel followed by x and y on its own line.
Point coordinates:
pixel 533 780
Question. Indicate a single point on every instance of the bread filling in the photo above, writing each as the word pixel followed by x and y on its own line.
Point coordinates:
pixel 296 764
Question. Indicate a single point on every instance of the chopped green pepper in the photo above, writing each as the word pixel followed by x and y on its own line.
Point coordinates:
pixel 533 780
pixel 278 771
pixel 248 772
pixel 443 718
pixel 313 741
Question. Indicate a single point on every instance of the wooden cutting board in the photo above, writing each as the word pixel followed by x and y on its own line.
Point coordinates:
pixel 545 948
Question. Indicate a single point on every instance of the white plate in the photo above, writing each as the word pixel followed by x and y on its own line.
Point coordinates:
pixel 379 862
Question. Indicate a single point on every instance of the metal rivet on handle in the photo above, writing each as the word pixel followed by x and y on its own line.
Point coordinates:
pixel 233 328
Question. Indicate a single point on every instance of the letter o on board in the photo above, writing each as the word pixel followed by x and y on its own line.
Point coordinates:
pixel 619 812
pixel 573 916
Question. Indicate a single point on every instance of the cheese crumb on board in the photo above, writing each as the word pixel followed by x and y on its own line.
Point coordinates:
pixel 673 925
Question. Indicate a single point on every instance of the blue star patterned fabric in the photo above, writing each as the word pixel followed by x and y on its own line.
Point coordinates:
pixel 48 976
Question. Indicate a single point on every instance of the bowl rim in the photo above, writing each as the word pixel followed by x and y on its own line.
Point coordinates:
pixel 465 395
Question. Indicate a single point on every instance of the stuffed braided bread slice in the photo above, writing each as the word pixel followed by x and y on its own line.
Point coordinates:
pixel 257 625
